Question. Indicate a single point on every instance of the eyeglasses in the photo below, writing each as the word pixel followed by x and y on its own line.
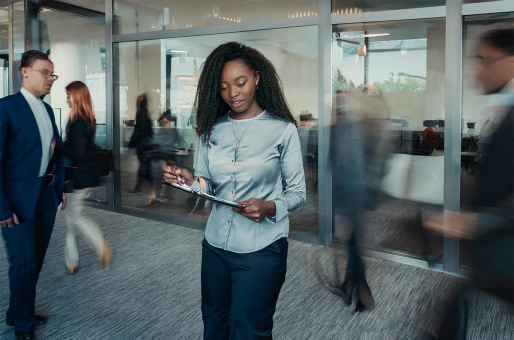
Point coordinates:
pixel 47 74
pixel 487 62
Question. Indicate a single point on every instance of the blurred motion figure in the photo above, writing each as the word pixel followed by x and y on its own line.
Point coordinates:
pixel 358 154
pixel 78 149
pixel 141 140
pixel 492 228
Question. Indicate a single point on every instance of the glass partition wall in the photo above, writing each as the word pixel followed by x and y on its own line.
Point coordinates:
pixel 394 74
pixel 389 79
pixel 392 68
pixel 75 42
pixel 475 115
pixel 76 45
pixel 166 72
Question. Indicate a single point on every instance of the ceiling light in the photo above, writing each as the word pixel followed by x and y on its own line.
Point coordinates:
pixel 362 52
pixel 376 35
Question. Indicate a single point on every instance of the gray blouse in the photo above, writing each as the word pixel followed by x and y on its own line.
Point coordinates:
pixel 252 158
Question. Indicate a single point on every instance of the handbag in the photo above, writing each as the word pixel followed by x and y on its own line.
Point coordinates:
pixel 104 159
pixel 69 182
pixel 133 143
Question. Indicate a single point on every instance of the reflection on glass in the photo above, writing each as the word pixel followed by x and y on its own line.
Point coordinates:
pixel 166 71
pixel 4 51
pixel 388 85
pixel 359 6
pixel 18 42
pixel 76 46
pixel 153 15
pixel 95 5
pixel 475 116
pixel 475 1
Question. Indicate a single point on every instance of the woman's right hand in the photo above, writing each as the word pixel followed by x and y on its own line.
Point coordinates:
pixel 174 174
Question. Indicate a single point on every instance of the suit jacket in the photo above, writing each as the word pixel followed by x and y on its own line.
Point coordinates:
pixel 494 248
pixel 20 159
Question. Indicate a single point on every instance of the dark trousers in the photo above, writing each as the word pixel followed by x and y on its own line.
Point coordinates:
pixel 355 272
pixel 494 273
pixel 240 291
pixel 26 246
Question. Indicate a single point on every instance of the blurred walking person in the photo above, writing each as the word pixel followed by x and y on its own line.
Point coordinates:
pixel 492 228
pixel 141 140
pixel 358 154
pixel 79 152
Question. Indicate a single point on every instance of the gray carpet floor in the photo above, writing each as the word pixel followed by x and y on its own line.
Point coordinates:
pixel 152 291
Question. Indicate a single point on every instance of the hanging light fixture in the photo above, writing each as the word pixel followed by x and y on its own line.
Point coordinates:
pixel 362 51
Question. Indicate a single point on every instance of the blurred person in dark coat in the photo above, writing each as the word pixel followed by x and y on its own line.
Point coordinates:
pixel 358 153
pixel 492 227
pixel 141 140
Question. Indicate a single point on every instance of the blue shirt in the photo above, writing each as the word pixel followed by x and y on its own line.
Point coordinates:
pixel 252 158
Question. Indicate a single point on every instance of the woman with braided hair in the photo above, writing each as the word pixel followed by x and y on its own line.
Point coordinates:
pixel 249 152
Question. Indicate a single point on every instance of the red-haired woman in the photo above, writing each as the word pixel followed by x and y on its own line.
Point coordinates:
pixel 79 149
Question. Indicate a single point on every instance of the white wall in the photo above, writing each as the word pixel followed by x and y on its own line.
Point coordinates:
pixel 72 62
pixel 299 77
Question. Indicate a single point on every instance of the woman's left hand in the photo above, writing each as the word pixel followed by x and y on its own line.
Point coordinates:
pixel 256 209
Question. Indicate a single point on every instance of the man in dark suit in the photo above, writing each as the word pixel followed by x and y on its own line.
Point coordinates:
pixel 31 182
pixel 492 227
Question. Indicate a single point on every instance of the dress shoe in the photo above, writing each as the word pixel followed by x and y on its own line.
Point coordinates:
pixel 365 300
pixel 23 336
pixel 38 321
pixel 345 291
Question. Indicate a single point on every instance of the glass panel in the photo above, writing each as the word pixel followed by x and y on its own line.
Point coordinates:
pixel 95 5
pixel 167 70
pixel 475 113
pixel 18 41
pixel 475 1
pixel 4 51
pixel 157 15
pixel 359 6
pixel 387 142
pixel 76 45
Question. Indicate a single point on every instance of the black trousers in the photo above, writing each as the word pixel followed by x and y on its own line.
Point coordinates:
pixel 240 291
pixel 355 266
pixel 494 273
pixel 26 246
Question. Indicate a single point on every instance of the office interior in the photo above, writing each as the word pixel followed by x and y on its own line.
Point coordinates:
pixel 409 51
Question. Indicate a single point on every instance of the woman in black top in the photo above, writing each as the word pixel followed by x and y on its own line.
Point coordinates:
pixel 142 141
pixel 78 149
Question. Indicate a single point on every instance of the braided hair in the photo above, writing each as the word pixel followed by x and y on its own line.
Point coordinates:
pixel 209 106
